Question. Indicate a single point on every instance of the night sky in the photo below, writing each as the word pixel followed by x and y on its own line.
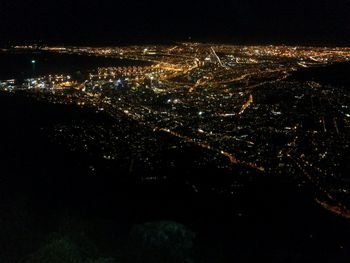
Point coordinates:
pixel 235 21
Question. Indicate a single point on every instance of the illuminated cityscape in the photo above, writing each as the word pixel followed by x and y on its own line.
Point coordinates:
pixel 239 106
pixel 174 132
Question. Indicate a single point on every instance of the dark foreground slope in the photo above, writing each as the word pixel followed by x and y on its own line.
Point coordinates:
pixel 51 203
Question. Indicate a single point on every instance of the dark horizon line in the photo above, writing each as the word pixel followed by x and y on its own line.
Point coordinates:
pixel 175 40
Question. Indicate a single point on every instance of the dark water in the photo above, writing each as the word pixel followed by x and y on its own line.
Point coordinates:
pixel 18 65
pixel 336 74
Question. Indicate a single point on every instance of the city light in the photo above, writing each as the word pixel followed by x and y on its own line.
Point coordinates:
pixel 238 104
